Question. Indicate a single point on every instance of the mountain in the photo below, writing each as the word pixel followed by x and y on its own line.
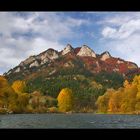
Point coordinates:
pixel 51 62
pixel 88 74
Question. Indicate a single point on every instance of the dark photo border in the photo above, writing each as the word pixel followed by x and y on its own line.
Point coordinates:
pixel 69 5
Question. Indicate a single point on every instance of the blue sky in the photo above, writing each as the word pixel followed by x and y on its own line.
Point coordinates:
pixel 28 33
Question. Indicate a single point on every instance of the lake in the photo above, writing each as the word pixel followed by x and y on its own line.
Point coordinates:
pixel 76 120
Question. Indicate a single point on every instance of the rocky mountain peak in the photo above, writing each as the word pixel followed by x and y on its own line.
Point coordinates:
pixel 67 49
pixel 106 52
pixel 86 51
pixel 49 54
pixel 35 61
pixel 27 61
pixel 105 55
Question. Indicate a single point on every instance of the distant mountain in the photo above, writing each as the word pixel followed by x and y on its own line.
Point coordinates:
pixel 51 62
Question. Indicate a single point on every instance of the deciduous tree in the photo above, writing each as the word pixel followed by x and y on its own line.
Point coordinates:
pixel 65 100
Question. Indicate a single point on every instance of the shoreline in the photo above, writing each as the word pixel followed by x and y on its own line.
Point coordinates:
pixel 70 113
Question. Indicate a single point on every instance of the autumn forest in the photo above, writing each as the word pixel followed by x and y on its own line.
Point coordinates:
pixel 14 98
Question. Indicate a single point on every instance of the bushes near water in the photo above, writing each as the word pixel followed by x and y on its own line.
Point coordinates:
pixel 123 100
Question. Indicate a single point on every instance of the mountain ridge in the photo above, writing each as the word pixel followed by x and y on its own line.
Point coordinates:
pixel 53 59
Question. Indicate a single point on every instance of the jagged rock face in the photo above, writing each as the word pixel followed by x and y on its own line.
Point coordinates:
pixel 86 51
pixel 49 54
pixel 44 57
pixel 105 56
pixel 27 61
pixel 34 64
pixel 67 49
pixel 44 60
pixel 120 62
pixel 17 69
pixel 52 54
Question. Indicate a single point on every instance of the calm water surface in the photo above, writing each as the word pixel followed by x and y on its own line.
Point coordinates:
pixel 79 120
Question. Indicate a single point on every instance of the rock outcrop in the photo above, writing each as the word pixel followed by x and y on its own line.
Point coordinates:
pixel 28 61
pixel 49 54
pixel 34 64
pixel 17 69
pixel 44 57
pixel 120 61
pixel 86 51
pixel 67 49
pixel 105 56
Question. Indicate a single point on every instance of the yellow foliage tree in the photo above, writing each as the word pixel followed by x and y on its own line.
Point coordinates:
pixel 103 101
pixel 23 100
pixel 7 94
pixel 3 82
pixel 114 103
pixel 123 100
pixel 126 84
pixel 65 100
pixel 19 86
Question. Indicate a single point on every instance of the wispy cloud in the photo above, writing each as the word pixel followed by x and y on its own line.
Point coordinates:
pixel 123 31
pixel 109 32
pixel 121 34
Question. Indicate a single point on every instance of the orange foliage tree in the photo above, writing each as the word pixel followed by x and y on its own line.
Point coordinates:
pixel 123 100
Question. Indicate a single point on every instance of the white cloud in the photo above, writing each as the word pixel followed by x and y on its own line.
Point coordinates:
pixel 123 31
pixel 118 18
pixel 128 49
pixel 109 32
pixel 121 34
pixel 29 33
